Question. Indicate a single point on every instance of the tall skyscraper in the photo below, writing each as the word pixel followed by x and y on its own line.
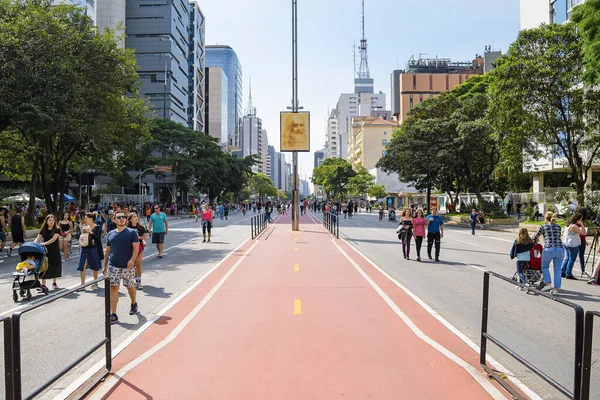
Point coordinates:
pixel 319 157
pixel 226 58
pixel 536 12
pixel 352 105
pixel 111 14
pixel 196 72
pixel 263 145
pixel 332 139
pixel 162 50
pixel 271 161
pixel 216 107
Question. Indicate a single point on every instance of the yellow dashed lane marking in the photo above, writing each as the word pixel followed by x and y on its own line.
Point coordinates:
pixel 295 249
pixel 297 307
pixel 296 267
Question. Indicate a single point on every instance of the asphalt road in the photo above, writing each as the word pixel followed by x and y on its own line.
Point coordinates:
pixel 57 334
pixel 539 329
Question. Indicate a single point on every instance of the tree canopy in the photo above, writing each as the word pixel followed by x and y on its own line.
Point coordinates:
pixel 67 94
pixel 333 176
pixel 587 18
pixel 541 105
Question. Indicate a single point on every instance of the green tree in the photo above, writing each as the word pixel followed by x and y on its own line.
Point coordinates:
pixel 540 105
pixel 377 191
pixel 262 186
pixel 192 155
pixel 587 18
pixel 360 183
pixel 282 195
pixel 423 150
pixel 68 94
pixel 333 176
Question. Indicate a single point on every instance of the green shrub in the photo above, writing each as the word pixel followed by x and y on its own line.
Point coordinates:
pixel 529 212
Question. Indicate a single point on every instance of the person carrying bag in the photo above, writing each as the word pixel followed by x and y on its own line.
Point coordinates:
pixel 572 240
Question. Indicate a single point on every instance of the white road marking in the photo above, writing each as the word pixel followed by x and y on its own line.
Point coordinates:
pixel 101 364
pixel 485 383
pixel 116 377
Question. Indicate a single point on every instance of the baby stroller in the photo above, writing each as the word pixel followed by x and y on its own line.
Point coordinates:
pixel 27 280
pixel 533 269
pixel 392 216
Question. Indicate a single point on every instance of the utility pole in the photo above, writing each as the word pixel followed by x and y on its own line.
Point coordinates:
pixel 295 194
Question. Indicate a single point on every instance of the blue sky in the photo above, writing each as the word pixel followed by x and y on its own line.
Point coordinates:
pixel 260 33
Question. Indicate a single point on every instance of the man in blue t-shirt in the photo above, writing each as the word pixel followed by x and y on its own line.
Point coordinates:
pixel 159 227
pixel 435 232
pixel 473 218
pixel 122 248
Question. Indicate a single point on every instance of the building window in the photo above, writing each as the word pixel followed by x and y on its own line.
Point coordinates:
pixel 385 132
pixel 431 82
pixel 384 142
pixel 383 153
pixel 414 81
pixel 421 98
pixel 410 97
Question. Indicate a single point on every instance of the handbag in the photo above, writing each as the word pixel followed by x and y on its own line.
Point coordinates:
pixel 84 240
pixel 571 239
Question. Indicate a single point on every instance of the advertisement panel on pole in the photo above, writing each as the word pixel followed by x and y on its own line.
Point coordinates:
pixel 295 131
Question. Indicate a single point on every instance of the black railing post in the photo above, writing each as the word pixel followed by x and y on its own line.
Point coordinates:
pixel 8 359
pixel 587 356
pixel 337 234
pixel 579 337
pixel 252 227
pixel 16 359
pixel 107 328
pixel 484 317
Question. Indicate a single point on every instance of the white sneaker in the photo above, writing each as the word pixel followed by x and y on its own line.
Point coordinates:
pixel 520 288
pixel 555 292
pixel 547 288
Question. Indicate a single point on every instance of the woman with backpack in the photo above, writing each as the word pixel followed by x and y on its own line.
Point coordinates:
pixel 572 241
pixel 90 241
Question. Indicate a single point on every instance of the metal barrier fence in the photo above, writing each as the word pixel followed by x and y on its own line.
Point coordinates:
pixel 331 222
pixel 587 353
pixel 258 223
pixel 12 344
pixel 485 336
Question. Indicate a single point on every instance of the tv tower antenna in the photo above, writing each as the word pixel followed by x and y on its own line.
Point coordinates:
pixel 251 109
pixel 363 71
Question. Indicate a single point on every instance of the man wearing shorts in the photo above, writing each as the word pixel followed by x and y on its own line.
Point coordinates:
pixel 159 227
pixel 122 247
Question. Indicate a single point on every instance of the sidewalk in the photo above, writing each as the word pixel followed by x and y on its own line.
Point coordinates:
pixel 297 315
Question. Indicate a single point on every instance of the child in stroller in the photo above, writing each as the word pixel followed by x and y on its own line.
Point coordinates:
pixel 529 260
pixel 392 215
pixel 33 264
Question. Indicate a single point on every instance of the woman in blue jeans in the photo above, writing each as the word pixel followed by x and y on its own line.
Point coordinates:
pixel 572 244
pixel 553 252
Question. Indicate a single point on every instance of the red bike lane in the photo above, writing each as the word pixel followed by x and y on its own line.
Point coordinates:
pixel 297 315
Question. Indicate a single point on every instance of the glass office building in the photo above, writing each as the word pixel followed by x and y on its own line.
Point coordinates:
pixel 226 58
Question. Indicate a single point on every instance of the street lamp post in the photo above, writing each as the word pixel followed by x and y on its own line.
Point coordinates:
pixel 295 193
pixel 140 181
